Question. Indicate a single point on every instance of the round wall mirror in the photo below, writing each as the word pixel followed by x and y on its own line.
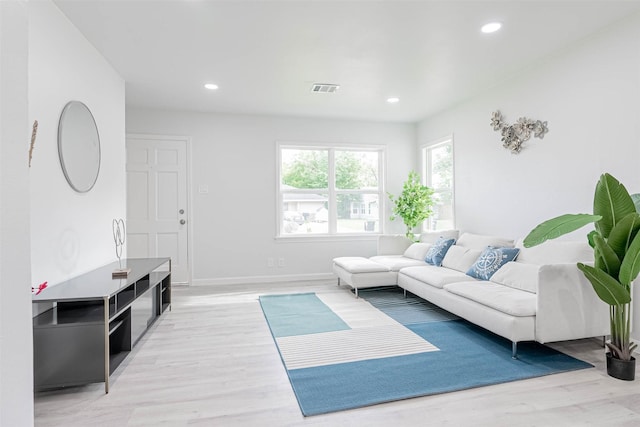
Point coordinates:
pixel 79 146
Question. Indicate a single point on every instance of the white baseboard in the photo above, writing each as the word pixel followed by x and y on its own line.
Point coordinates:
pixel 327 277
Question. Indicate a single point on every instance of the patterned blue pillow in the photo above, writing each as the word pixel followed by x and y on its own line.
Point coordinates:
pixel 436 253
pixel 490 261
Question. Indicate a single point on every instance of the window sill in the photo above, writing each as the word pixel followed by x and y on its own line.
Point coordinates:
pixel 327 238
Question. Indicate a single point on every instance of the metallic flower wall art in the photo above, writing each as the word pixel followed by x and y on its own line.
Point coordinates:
pixel 513 136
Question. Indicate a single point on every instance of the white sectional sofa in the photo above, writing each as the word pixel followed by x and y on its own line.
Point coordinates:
pixel 541 296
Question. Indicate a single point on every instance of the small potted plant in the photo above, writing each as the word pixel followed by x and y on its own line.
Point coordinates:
pixel 616 245
pixel 413 205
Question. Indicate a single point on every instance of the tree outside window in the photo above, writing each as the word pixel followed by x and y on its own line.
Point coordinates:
pixel 438 163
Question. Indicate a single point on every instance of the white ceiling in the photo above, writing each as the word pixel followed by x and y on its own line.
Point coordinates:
pixel 265 55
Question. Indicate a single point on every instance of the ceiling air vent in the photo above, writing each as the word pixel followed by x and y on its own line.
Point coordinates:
pixel 324 88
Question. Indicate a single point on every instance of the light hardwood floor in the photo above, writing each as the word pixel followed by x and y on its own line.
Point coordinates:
pixel 211 361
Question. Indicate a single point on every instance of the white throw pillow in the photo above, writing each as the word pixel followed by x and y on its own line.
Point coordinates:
pixel 518 275
pixel 460 258
pixel 417 251
pixel 432 236
pixel 480 241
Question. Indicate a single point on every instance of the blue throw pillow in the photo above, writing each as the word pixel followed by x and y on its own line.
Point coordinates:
pixel 436 253
pixel 490 261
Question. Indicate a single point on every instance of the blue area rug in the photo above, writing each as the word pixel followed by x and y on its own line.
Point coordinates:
pixel 452 354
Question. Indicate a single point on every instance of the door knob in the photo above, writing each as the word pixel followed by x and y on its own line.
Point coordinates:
pixel 181 211
pixel 182 221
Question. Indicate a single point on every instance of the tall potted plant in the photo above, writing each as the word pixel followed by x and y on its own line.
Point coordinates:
pixel 413 205
pixel 616 245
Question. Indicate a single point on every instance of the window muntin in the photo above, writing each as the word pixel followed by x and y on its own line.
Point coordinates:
pixel 330 190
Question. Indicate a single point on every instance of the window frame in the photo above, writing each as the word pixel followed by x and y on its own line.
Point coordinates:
pixel 332 191
pixel 425 153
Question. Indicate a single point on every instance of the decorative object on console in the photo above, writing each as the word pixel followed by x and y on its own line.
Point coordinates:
pixel 119 237
pixel 33 140
pixel 616 246
pixel 513 136
pixel 41 287
pixel 413 205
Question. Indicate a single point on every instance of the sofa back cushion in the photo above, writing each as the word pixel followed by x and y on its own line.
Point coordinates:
pixel 518 275
pixel 555 252
pixel 417 251
pixel 432 236
pixel 392 244
pixel 438 250
pixel 460 258
pixel 480 241
pixel 490 261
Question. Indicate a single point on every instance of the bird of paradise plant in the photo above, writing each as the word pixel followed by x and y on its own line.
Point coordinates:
pixel 616 245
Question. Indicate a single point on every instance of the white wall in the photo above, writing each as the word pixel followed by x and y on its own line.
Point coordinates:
pixel 16 361
pixel 235 155
pixel 70 231
pixel 590 96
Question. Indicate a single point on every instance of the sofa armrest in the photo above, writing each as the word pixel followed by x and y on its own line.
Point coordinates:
pixel 392 244
pixel 567 306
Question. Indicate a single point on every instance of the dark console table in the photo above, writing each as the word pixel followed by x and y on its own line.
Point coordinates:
pixel 96 320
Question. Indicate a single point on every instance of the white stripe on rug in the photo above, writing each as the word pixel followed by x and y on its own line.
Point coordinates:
pixel 353 345
pixel 355 312
pixel 374 336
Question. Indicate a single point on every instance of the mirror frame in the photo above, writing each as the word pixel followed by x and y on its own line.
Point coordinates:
pixel 64 121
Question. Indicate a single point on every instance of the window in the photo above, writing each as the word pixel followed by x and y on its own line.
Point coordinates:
pixel 437 172
pixel 329 190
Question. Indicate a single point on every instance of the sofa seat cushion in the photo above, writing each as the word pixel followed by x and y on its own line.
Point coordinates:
pixel 435 276
pixel 396 262
pixel 510 301
pixel 356 264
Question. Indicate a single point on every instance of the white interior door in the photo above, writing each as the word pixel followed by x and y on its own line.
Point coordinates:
pixel 157 219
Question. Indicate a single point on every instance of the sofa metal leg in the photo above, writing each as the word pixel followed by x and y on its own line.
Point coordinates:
pixel 404 291
pixel 514 350
pixel 338 281
pixel 356 289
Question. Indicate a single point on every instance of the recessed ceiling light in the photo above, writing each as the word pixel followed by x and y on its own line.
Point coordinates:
pixel 491 27
pixel 211 86
pixel 393 100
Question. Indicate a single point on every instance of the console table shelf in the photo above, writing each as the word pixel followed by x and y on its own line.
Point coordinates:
pixel 96 320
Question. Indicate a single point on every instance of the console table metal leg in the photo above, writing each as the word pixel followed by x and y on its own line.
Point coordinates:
pixel 106 345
